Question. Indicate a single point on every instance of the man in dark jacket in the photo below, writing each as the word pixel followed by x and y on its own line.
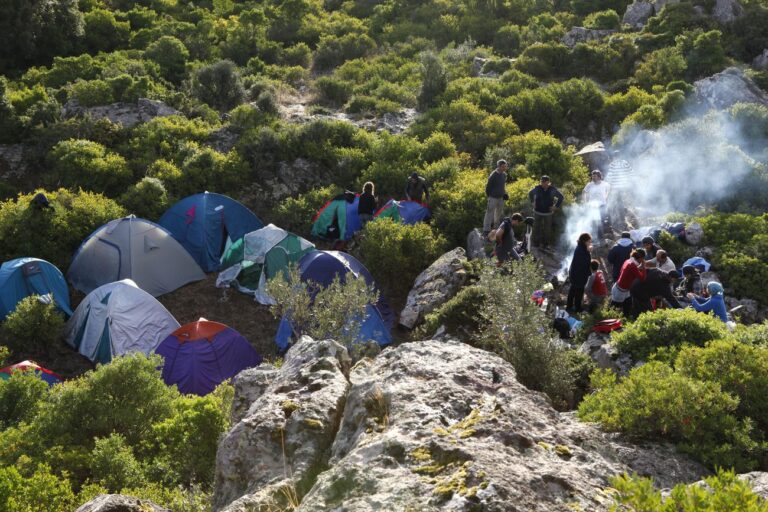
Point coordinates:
pixel 546 199
pixel 657 283
pixel 506 243
pixel 619 253
pixel 650 246
pixel 416 188
pixel 495 191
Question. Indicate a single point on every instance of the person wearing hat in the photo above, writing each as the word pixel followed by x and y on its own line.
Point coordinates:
pixel 416 189
pixel 650 246
pixel 715 302
pixel 657 283
pixel 546 199
pixel 496 192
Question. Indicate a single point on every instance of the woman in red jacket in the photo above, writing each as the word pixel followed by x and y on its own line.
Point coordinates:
pixel 632 270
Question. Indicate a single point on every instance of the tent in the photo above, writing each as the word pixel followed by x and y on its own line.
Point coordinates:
pixel 205 224
pixel 407 212
pixel 259 256
pixel 131 248
pixel 338 214
pixel 201 355
pixel 25 366
pixel 117 319
pixel 23 277
pixel 322 267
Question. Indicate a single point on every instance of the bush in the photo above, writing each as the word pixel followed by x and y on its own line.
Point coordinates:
pixel 437 147
pixel 113 464
pixel 333 50
pixel 397 253
pixel 507 40
pixel 146 199
pixel 434 80
pixel 668 328
pixel 603 20
pixel 90 93
pixel 744 274
pixel 460 316
pixel 219 85
pixel 171 55
pixel 660 68
pixel 19 397
pixel 458 205
pixel 103 32
pixel 334 92
pixel 89 165
pixel 33 327
pixel 654 402
pixel 42 490
pixel 676 249
pixel 296 214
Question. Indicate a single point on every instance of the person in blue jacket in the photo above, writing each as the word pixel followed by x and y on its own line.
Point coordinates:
pixel 579 273
pixel 715 302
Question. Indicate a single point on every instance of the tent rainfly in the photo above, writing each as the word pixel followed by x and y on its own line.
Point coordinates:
pixel 23 277
pixel 30 366
pixel 407 212
pixel 338 219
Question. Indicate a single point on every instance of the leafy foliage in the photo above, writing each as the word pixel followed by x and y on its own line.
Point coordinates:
pixel 34 326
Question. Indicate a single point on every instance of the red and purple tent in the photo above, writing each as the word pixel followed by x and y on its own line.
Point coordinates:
pixel 201 355
pixel 30 366
pixel 407 212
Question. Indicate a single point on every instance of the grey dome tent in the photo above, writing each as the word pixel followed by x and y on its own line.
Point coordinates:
pixel 137 249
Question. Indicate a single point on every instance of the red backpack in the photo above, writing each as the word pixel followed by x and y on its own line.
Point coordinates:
pixel 607 325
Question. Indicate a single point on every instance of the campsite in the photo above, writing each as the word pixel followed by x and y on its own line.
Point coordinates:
pixel 383 256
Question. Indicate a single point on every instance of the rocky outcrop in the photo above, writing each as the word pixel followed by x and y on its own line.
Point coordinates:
pixel 749 311
pixel 126 114
pixel 434 286
pixel 637 14
pixel 761 61
pixel 12 164
pixel 475 245
pixel 758 480
pixel 288 180
pixel 658 5
pixel 119 503
pixel 726 11
pixel 283 441
pixel 583 35
pixel 250 384
pixel 725 89
pixel 598 347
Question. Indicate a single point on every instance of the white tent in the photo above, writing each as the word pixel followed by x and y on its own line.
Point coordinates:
pixel 117 319
pixel 131 248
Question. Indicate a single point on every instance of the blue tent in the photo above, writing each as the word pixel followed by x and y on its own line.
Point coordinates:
pixel 407 212
pixel 206 223
pixel 322 267
pixel 339 214
pixel 23 277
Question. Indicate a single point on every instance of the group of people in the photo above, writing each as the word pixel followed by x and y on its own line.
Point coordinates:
pixel 641 276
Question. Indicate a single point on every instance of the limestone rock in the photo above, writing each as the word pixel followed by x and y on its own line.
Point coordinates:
pixel 439 425
pixel 725 89
pixel 759 482
pixel 658 5
pixel 288 180
pixel 477 65
pixel 223 139
pixel 250 384
pixel 761 61
pixel 582 35
pixel 12 164
pixel 694 233
pixel 598 347
pixel 119 503
pixel 434 286
pixel 283 440
pixel 475 245
pixel 749 312
pixel 126 114
pixel 726 11
pixel 637 14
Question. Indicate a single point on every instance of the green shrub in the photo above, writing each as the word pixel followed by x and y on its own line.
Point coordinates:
pixel 90 93
pixel 333 50
pixel 397 253
pixel 219 85
pixel 459 315
pixel 297 55
pixel 171 55
pixel 9 122
pixel 676 249
pixel 668 328
pixel 660 68
pixel 113 464
pixel 744 274
pixel 103 32
pixel 704 54
pixel 394 158
pixel 720 229
pixel 603 20
pixel 33 327
pixel 333 91
pixel 296 214
pixel 654 402
pixel 162 137
pixel 146 199
pixel 507 40
pixel 19 397
pixel 89 165
pixel 433 80
pixel 458 205
pixel 42 490
pixel 437 147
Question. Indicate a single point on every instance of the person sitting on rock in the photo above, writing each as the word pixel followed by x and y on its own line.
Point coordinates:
pixel 632 270
pixel 657 283
pixel 416 189
pixel 619 253
pixel 650 246
pixel 596 288
pixel 715 302
pixel 661 261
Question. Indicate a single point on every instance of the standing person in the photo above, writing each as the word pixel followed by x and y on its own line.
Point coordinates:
pixel 596 288
pixel 579 273
pixel 621 179
pixel 596 193
pixel 657 283
pixel 650 246
pixel 366 206
pixel 546 199
pixel 661 261
pixel 619 253
pixel 416 189
pixel 632 270
pixel 495 191
pixel 506 243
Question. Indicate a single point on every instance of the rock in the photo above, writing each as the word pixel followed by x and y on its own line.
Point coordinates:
pixel 598 347
pixel 758 480
pixel 658 5
pixel 288 180
pixel 705 252
pixel 126 114
pixel 397 122
pixel 475 245
pixel 12 163
pixel 439 425
pixel 223 139
pixel 434 286
pixel 725 89
pixel 749 312
pixel 283 441
pixel 694 233
pixel 477 65
pixel 637 14
pixel 582 35
pixel 119 503
pixel 726 11
pixel 761 61
pixel 250 384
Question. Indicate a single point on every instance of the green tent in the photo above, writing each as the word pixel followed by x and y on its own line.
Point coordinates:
pixel 259 256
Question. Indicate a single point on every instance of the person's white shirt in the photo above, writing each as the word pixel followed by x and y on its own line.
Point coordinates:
pixel 596 192
pixel 667 266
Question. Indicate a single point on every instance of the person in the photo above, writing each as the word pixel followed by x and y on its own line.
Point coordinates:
pixel 661 261
pixel 506 243
pixel 631 270
pixel 620 177
pixel 619 253
pixel 366 206
pixel 691 283
pixel 596 193
pixel 579 273
pixel 596 288
pixel 495 191
pixel 546 199
pixel 416 189
pixel 657 283
pixel 650 246
pixel 715 302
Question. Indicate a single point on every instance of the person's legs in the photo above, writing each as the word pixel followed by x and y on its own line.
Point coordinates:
pixel 498 211
pixel 546 229
pixel 578 304
pixel 575 299
pixel 488 219
pixel 536 237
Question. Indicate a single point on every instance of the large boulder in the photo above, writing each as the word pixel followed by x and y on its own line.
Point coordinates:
pixel 749 310
pixel 761 61
pixel 598 347
pixel 725 89
pixel 119 503
pixel 126 114
pixel 658 5
pixel 583 35
pixel 250 384
pixel 289 179
pixel 637 14
pixel 276 450
pixel 434 286
pixel 436 425
pixel 758 480
pixel 475 245
pixel 726 11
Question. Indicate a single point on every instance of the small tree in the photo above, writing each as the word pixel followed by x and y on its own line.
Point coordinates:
pixel 171 55
pixel 336 311
pixel 434 80
pixel 34 326
pixel 219 85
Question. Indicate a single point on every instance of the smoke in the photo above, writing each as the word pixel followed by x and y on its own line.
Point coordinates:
pixel 581 218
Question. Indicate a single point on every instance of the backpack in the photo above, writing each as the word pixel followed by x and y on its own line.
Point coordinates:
pixel 607 325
